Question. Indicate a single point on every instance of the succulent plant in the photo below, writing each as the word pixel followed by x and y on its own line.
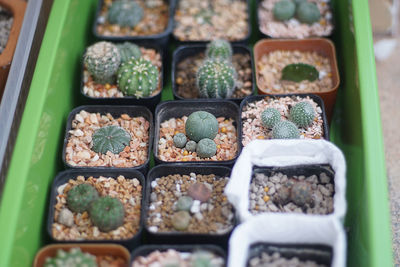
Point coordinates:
pixel 110 138
pixel 285 130
pixel 301 193
pixel 216 79
pixel 199 191
pixel 180 140
pixel 270 117
pixel 298 2
pixel 282 195
pixel 137 77
pixel 102 60
pixel 219 49
pixel 80 197
pixel 191 146
pixel 74 258
pixel 201 124
pixel 284 10
pixel 128 50
pixel 206 148
pixel 184 203
pixel 107 213
pixel 202 259
pixel 125 13
pixel 180 220
pixel 302 114
pixel 299 72
pixel 308 12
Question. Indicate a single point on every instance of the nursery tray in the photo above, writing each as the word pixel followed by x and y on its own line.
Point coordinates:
pixel 54 92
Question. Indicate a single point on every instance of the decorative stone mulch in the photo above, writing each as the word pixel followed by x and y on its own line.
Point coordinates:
pixel 6 21
pixel 277 260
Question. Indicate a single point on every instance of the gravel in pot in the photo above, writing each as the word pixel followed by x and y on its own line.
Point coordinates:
pixel 6 21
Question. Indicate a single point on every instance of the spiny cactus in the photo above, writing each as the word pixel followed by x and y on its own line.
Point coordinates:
pixel 110 138
pixel 302 114
pixel 125 13
pixel 270 117
pixel 184 203
pixel 285 130
pixel 219 49
pixel 216 79
pixel 201 124
pixel 102 60
pixel 80 197
pixel 301 193
pixel 199 191
pixel 74 258
pixel 128 50
pixel 308 12
pixel 107 213
pixel 180 140
pixel 180 220
pixel 284 10
pixel 191 146
pixel 206 148
pixel 138 77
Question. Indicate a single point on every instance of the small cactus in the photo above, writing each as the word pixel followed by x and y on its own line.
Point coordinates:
pixel 74 258
pixel 199 191
pixel 302 114
pixel 80 197
pixel 219 49
pixel 138 77
pixel 128 50
pixel 308 12
pixel 270 117
pixel 216 79
pixel 284 10
pixel 107 213
pixel 298 72
pixel 301 193
pixel 282 195
pixel 206 148
pixel 201 124
pixel 298 2
pixel 184 203
pixel 102 60
pixel 191 146
pixel 202 259
pixel 285 130
pixel 180 220
pixel 180 140
pixel 125 13
pixel 110 138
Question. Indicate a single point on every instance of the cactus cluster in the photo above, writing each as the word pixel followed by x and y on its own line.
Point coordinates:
pixel 125 13
pixel 298 192
pixel 305 12
pixel 80 197
pixel 74 258
pixel 128 51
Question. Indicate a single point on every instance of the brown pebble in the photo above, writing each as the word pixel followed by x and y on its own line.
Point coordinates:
pixel 199 191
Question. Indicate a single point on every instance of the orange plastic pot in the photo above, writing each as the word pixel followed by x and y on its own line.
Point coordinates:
pixel 17 9
pixel 322 46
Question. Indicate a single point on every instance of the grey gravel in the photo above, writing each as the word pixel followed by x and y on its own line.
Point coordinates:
pixel 275 260
pixel 6 21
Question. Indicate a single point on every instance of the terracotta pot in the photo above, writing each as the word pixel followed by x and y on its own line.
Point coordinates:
pixel 17 8
pixel 323 46
pixel 94 249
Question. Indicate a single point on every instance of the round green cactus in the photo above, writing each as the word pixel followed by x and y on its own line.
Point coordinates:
pixel 216 79
pixel 191 146
pixel 107 213
pixel 284 10
pixel 180 140
pixel 184 203
pixel 110 138
pixel 125 13
pixel 206 148
pixel 102 60
pixel 128 51
pixel 138 77
pixel 80 197
pixel 219 49
pixel 298 2
pixel 302 114
pixel 201 124
pixel 308 12
pixel 285 130
pixel 180 220
pixel 74 258
pixel 270 117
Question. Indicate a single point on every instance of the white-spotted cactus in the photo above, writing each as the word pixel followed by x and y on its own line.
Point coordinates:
pixel 219 49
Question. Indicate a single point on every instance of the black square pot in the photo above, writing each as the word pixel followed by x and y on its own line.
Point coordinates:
pixel 65 176
pixel 243 41
pixel 322 254
pixel 184 52
pixel 175 109
pixel 150 102
pixel 315 98
pixel 115 111
pixel 177 237
pixel 161 39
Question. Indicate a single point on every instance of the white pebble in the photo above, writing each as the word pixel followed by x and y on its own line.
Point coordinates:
pixel 153 229
pixel 153 184
pixel 195 206
pixel 66 217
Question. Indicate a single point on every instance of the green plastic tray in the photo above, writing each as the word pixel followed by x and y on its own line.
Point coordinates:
pixel 356 129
